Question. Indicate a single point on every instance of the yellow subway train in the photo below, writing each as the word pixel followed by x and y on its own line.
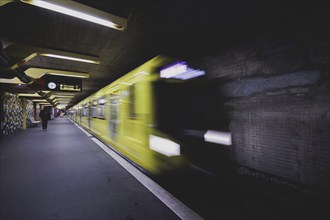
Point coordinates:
pixel 143 114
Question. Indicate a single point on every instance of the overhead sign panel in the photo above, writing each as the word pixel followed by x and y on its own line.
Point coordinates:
pixel 63 84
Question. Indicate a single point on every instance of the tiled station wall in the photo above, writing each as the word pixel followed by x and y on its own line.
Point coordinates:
pixel 29 109
pixel 12 114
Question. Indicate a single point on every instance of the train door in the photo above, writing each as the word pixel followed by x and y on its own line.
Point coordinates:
pixel 89 114
pixel 114 114
pixel 137 113
pixel 79 114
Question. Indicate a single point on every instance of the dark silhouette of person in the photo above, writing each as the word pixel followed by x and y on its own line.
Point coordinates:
pixel 45 116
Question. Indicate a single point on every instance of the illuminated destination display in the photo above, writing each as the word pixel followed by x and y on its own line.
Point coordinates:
pixel 180 70
pixel 71 88
pixel 174 70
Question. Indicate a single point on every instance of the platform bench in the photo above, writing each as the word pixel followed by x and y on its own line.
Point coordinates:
pixel 33 122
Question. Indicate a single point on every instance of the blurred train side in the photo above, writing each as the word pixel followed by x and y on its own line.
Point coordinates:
pixel 122 115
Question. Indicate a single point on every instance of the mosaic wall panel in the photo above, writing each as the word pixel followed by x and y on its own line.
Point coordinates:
pixel 13 114
pixel 38 109
pixel 29 109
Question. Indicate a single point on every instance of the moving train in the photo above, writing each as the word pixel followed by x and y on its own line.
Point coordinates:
pixel 157 116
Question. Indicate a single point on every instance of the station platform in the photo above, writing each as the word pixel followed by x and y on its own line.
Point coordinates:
pixel 65 173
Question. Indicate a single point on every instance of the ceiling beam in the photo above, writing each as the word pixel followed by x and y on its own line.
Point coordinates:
pixel 37 73
pixel 20 54
pixel 3 2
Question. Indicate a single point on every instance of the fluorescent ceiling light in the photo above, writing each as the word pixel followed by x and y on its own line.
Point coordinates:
pixel 71 8
pixel 28 95
pixel 64 96
pixel 68 58
pixel 39 100
pixel 64 100
pixel 63 93
pixel 69 75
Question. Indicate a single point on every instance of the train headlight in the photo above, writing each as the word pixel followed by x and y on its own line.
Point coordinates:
pixel 164 146
pixel 218 137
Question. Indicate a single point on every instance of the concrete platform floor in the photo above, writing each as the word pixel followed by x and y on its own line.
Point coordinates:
pixel 62 174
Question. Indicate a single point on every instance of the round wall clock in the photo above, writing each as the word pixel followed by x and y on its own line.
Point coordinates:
pixel 51 85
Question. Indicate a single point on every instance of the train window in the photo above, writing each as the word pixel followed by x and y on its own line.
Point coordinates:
pixel 102 101
pixel 132 113
pixel 102 111
pixel 114 114
pixel 93 109
pixel 85 110
pixel 79 113
pixel 101 108
pixel 98 111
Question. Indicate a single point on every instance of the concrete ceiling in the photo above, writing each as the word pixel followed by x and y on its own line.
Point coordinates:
pixel 187 30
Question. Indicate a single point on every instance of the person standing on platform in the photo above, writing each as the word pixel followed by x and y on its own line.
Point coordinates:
pixel 61 114
pixel 45 116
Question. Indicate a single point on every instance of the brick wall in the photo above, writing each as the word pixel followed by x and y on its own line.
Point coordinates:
pixel 277 96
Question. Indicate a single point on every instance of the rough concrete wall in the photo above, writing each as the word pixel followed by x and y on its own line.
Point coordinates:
pixel 277 91
pixel 1 114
